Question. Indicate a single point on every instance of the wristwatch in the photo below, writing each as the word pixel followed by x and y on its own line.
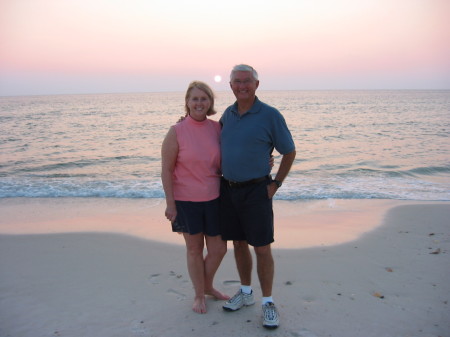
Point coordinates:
pixel 278 183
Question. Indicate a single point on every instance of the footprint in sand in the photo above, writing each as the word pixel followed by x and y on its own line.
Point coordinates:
pixel 139 329
pixel 308 299
pixel 231 282
pixel 179 279
pixel 303 333
pixel 179 296
pixel 154 279
pixel 174 275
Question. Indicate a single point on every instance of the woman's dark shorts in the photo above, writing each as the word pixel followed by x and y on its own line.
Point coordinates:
pixel 197 217
pixel 246 213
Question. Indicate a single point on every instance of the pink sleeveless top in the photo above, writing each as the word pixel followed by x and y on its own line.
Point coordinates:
pixel 197 170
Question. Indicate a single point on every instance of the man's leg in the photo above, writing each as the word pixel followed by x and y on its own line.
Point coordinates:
pixel 244 262
pixel 265 268
pixel 244 297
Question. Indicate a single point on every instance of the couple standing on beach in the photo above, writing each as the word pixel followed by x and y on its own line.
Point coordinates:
pixel 218 187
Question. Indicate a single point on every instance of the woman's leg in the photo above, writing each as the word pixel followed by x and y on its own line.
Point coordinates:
pixel 217 249
pixel 196 268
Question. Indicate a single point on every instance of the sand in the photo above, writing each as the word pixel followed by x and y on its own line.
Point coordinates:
pixel 105 268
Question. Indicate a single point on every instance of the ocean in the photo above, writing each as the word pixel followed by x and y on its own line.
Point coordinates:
pixel 350 144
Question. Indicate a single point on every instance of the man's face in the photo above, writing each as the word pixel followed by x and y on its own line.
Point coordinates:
pixel 244 85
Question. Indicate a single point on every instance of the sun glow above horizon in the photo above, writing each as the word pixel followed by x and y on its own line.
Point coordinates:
pixel 103 45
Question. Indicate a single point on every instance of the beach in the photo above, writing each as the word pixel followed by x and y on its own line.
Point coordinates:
pixel 111 267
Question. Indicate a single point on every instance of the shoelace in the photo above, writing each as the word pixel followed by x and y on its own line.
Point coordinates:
pixel 235 298
pixel 270 312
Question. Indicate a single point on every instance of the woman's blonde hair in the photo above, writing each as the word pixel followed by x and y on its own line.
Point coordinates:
pixel 206 89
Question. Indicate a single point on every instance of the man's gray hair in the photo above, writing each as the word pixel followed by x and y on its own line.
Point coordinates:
pixel 244 67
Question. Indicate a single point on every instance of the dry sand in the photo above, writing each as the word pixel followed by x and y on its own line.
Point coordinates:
pixel 93 267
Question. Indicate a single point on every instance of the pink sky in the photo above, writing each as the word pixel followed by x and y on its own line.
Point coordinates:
pixel 84 46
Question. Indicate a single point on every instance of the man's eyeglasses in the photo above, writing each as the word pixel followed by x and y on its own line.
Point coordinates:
pixel 245 82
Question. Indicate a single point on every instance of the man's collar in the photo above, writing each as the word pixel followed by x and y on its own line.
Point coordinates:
pixel 254 109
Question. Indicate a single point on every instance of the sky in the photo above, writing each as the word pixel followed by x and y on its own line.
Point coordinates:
pixel 111 46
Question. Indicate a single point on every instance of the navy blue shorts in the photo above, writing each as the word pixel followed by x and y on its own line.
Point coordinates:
pixel 246 213
pixel 197 217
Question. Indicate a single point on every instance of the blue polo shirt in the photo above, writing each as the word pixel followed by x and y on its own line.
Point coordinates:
pixel 248 140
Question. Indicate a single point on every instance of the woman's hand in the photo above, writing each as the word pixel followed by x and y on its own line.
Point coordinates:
pixel 271 161
pixel 171 213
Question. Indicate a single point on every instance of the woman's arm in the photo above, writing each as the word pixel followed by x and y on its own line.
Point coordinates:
pixel 169 154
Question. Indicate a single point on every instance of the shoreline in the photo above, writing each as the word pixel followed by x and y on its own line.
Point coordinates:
pixel 298 224
pixel 393 280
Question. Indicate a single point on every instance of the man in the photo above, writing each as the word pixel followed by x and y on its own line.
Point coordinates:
pixel 251 130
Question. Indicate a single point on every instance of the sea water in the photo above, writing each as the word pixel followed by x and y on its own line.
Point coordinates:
pixel 350 144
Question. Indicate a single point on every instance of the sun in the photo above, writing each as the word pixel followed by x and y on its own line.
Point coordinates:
pixel 218 78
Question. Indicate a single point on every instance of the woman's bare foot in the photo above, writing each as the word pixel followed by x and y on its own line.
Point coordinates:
pixel 217 294
pixel 199 305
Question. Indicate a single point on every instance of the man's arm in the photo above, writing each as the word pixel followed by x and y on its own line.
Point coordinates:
pixel 283 170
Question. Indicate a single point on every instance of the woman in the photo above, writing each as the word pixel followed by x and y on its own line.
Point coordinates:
pixel 191 181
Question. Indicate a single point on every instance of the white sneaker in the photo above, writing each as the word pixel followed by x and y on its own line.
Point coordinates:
pixel 271 318
pixel 238 301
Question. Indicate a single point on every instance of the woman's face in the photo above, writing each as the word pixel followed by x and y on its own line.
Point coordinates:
pixel 198 104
